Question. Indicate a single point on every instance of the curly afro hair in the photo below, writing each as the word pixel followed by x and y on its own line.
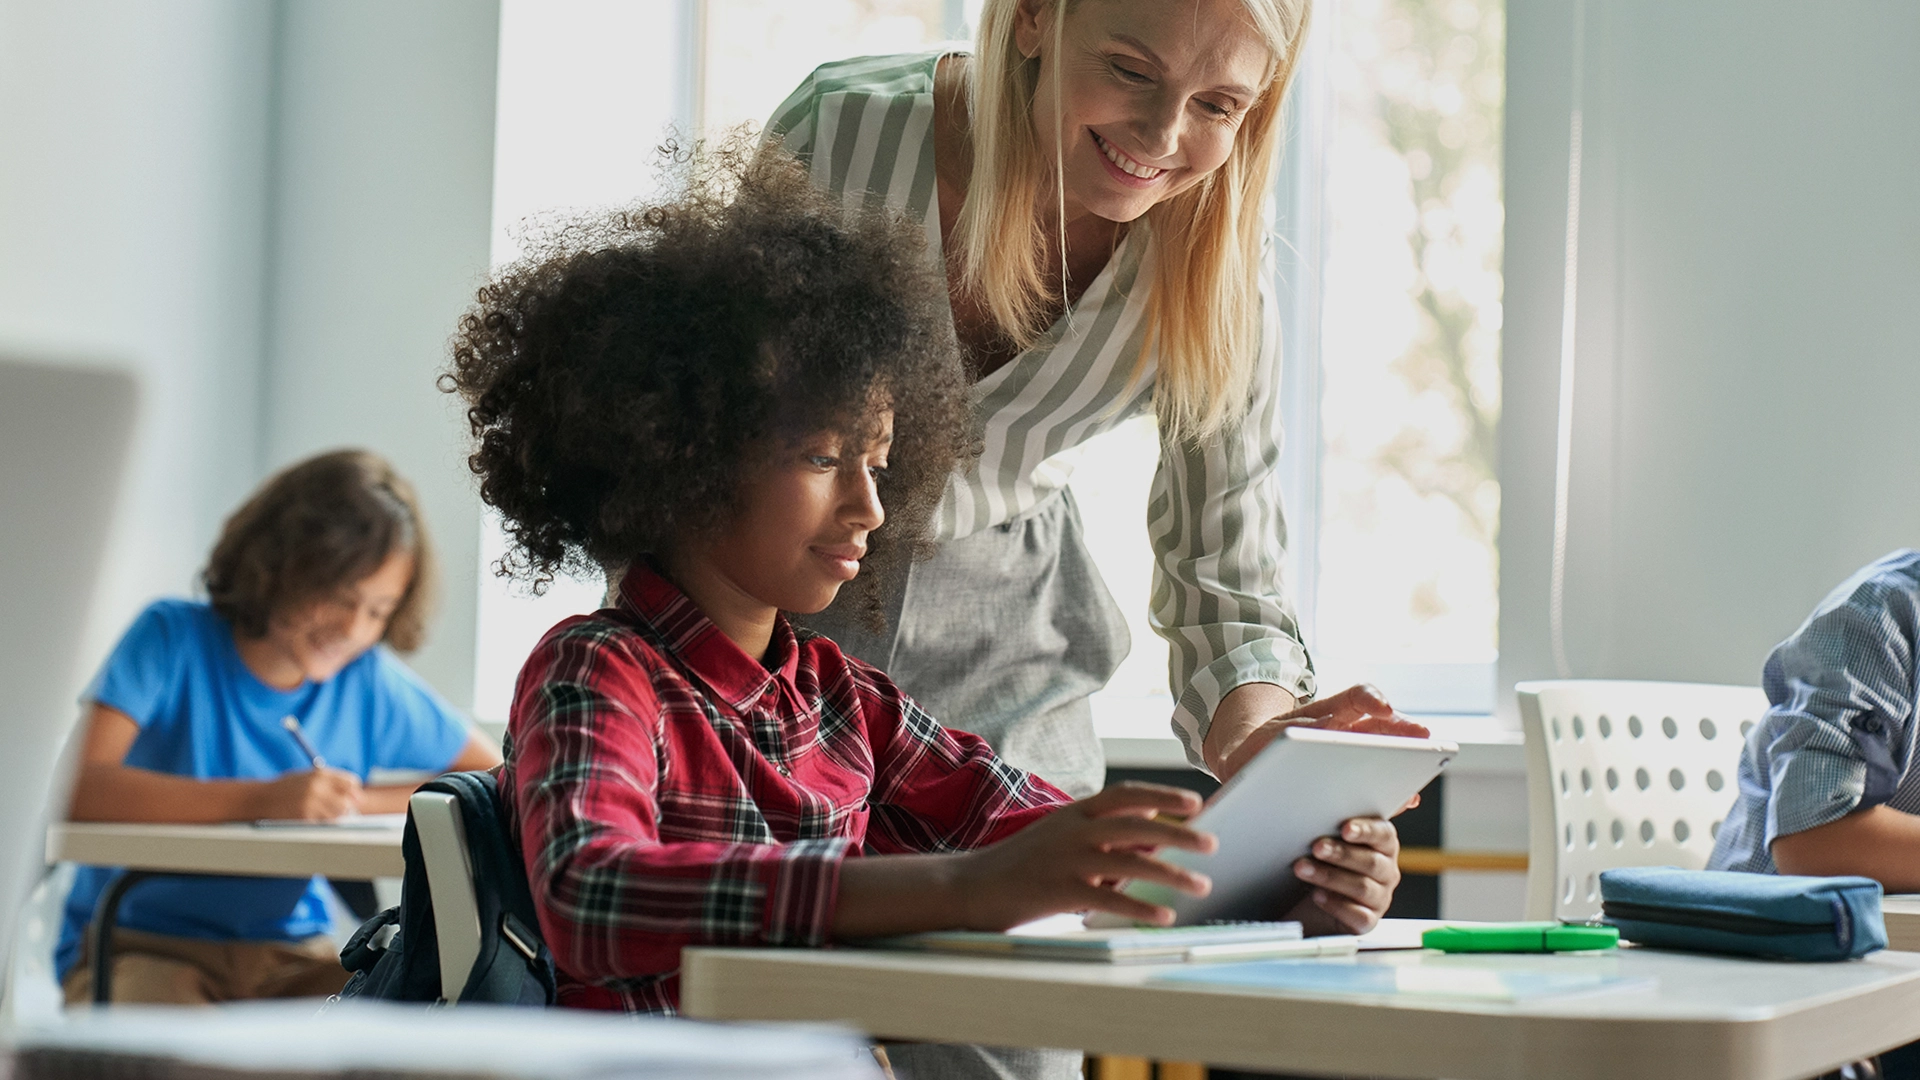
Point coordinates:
pixel 623 375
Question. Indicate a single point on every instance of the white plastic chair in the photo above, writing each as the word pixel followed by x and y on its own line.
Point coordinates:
pixel 456 914
pixel 32 994
pixel 1625 774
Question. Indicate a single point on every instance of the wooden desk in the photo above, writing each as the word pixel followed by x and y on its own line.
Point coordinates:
pixel 348 854
pixel 1706 1017
pixel 240 849
pixel 1902 913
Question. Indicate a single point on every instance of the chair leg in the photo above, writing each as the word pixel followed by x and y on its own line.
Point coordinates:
pixel 100 932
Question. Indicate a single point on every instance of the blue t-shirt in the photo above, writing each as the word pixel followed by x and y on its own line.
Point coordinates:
pixel 203 713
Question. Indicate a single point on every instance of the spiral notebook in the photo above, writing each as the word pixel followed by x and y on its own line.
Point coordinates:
pixel 1066 938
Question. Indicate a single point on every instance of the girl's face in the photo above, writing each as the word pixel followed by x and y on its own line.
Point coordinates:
pixel 318 638
pixel 803 524
pixel 1152 94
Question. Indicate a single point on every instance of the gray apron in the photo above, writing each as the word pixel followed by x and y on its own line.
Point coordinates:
pixel 1004 634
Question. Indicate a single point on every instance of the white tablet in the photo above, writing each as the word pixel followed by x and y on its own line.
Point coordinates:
pixel 1300 788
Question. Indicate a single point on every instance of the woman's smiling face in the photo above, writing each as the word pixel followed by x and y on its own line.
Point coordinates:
pixel 1152 94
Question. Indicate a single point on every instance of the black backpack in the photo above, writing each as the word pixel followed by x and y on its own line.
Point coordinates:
pixel 514 966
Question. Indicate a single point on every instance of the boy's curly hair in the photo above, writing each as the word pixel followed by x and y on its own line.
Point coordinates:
pixel 625 373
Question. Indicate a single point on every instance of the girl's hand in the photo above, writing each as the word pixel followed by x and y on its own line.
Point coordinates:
pixel 1352 878
pixel 1076 858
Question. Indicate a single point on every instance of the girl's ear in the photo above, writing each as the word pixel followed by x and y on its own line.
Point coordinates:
pixel 1032 24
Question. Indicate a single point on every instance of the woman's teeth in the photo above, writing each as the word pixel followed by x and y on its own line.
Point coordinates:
pixel 1124 163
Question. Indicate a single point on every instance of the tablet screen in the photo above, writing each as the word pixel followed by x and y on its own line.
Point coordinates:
pixel 1300 788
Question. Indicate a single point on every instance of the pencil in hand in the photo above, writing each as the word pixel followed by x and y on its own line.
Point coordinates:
pixel 293 728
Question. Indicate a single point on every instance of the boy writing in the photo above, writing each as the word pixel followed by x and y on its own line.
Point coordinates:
pixel 187 722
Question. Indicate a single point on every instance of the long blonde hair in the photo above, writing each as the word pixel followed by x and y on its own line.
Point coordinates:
pixel 1203 318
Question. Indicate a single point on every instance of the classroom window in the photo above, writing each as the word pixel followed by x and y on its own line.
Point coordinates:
pixel 587 90
pixel 1388 218
pixel 1406 535
pixel 755 52
pixel 1388 221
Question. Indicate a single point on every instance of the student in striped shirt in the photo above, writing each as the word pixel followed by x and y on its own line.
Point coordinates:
pixel 744 397
pixel 1090 181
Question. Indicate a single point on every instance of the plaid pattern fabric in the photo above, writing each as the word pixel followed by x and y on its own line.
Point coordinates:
pixel 669 790
pixel 1840 735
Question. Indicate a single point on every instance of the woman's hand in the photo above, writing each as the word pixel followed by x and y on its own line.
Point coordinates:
pixel 1252 715
pixel 1075 858
pixel 1352 878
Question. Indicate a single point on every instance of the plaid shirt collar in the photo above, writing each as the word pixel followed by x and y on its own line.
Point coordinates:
pixel 689 637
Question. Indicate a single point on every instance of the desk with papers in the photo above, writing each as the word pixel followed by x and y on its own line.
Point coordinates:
pixel 281 851
pixel 355 850
pixel 1640 1013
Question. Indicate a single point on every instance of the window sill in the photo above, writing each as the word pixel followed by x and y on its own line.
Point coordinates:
pixel 1486 746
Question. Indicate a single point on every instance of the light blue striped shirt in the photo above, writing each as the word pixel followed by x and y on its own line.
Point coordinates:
pixel 865 126
pixel 1840 735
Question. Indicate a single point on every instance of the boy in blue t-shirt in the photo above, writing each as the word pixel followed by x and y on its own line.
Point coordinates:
pixel 186 724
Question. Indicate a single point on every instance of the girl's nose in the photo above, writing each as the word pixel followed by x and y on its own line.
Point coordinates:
pixel 863 502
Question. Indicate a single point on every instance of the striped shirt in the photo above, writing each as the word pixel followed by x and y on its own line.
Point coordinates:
pixel 1841 733
pixel 865 128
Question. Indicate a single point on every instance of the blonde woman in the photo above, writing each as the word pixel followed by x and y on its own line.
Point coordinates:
pixel 1092 176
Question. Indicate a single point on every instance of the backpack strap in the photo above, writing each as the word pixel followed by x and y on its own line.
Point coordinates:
pixel 367 945
pixel 512 951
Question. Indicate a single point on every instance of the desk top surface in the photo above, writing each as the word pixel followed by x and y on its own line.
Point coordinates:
pixel 1902 914
pixel 1699 1016
pixel 240 848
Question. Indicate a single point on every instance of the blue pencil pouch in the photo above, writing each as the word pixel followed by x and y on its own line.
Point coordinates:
pixel 1770 915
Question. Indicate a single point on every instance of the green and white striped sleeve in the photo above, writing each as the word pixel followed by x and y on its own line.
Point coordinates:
pixel 829 111
pixel 1219 541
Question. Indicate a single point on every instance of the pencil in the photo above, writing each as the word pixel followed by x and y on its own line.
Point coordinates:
pixel 293 728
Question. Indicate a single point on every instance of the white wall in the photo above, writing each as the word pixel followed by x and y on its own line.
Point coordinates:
pixel 132 218
pixel 273 213
pixel 383 192
pixel 1746 430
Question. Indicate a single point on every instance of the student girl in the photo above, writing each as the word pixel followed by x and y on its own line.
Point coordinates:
pixel 749 400
pixel 311 581
pixel 1093 173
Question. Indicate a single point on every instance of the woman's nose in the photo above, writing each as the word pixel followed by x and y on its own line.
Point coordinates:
pixel 1159 128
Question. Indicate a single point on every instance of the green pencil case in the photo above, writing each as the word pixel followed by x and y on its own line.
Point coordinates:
pixel 1520 937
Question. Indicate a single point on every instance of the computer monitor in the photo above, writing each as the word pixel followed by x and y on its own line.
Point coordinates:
pixel 64 432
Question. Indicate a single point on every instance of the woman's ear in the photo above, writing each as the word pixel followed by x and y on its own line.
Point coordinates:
pixel 1032 25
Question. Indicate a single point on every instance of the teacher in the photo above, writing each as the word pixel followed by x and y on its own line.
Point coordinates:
pixel 1092 178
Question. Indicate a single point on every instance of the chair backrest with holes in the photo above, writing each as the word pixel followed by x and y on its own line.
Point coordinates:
pixel 1625 774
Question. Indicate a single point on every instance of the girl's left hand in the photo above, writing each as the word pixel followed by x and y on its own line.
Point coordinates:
pixel 1352 878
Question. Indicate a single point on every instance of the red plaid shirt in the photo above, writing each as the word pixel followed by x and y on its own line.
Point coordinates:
pixel 670 790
